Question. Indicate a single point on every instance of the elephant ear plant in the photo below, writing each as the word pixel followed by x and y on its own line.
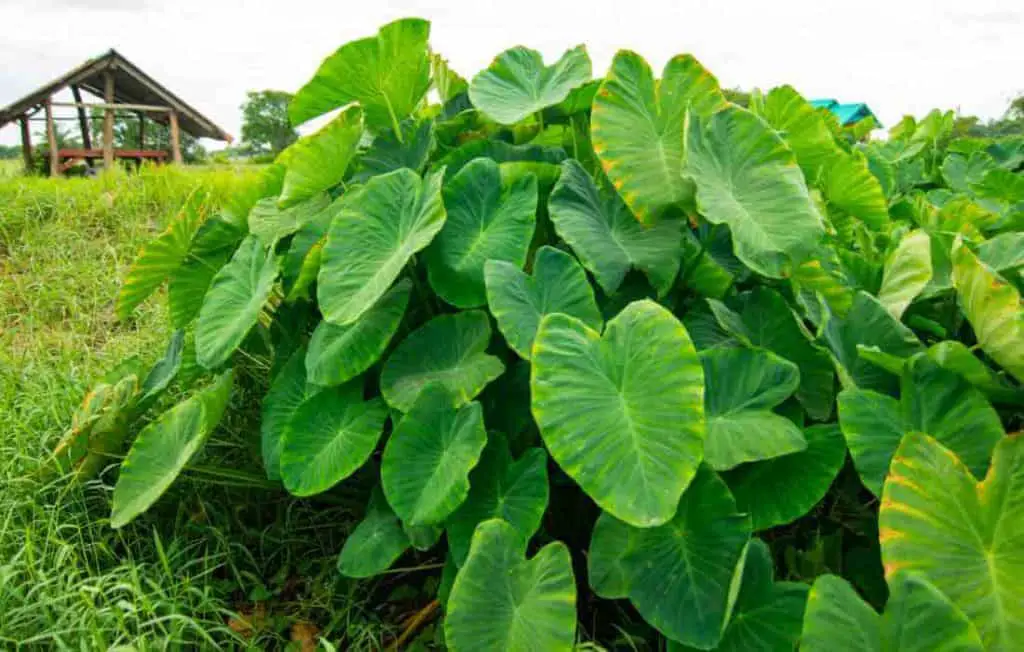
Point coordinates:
pixel 630 361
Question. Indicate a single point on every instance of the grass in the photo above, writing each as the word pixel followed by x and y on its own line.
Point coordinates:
pixel 211 566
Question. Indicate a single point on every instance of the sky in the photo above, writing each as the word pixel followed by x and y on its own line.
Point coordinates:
pixel 898 56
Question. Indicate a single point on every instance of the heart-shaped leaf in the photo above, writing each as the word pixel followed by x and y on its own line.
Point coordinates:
pixel 780 490
pixel 802 126
pixel 993 307
pixel 212 247
pixel 376 543
pixel 287 392
pixel 519 301
pixel 743 385
pixel 388 152
pixel 518 84
pixel 634 115
pixel 426 464
pixel 318 162
pixel 917 618
pixel 850 187
pixel 622 413
pixel 679 575
pixel 932 400
pixel 605 236
pixel 449 349
pixel 387 75
pixel 233 303
pixel 768 615
pixel 329 437
pixel 377 230
pixel 339 353
pixel 269 222
pixel 488 219
pixel 747 178
pixel 504 602
pixel 963 536
pixel 908 269
pixel 514 491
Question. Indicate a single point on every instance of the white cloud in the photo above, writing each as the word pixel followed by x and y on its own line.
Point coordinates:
pixel 899 56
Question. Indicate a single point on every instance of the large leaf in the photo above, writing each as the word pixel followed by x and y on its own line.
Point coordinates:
pixel 743 386
pixel 376 543
pixel 163 448
pixel 339 353
pixel 234 301
pixel 376 232
pixel 160 257
pixel 802 126
pixel 387 74
pixel 518 84
pixel 269 222
pixel 287 392
pixel 449 349
pixel 1000 184
pixel 679 575
pixel 780 490
pixel 519 301
pixel 319 161
pixel 637 128
pixel 488 219
pixel 963 536
pixel 426 464
pixel 908 269
pixel 768 615
pixel 747 178
pixel 917 618
pixel 993 307
pixel 849 185
pixel 501 152
pixel 388 152
pixel 622 412
pixel 329 437
pixel 934 401
pixel 514 491
pixel 602 231
pixel 211 248
pixel 504 602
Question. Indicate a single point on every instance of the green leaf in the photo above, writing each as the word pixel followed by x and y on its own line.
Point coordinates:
pixel 211 248
pixel 376 232
pixel 1004 253
pixel 768 615
pixel 164 447
pixel 701 271
pixel 387 75
pixel 449 349
pixel 502 601
pixel 634 116
pixel 934 401
pixel 426 464
pixel 780 490
pixel 388 152
pixel 803 128
pixel 448 83
pixel 627 427
pixel 518 84
pixel 1000 184
pixel 160 257
pixel 514 491
pixel 339 353
pixel 743 385
pixel 993 307
pixel 488 219
pixel 961 535
pixel 681 574
pixel 606 237
pixel 162 372
pixel 917 618
pixel 376 543
pixel 329 437
pixel 233 304
pixel 287 392
pixel 318 162
pixel 519 301
pixel 747 178
pixel 908 269
pixel 501 152
pixel 849 186
pixel 302 261
pixel 269 222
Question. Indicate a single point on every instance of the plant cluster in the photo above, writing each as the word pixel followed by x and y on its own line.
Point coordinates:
pixel 630 350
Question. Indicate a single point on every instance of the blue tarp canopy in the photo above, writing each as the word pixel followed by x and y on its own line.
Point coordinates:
pixel 847 114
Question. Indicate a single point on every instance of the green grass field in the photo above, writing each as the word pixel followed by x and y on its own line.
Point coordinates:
pixel 213 566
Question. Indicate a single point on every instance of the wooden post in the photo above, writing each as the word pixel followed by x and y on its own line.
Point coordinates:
pixel 175 139
pixel 108 121
pixel 142 130
pixel 51 138
pixel 26 143
pixel 83 122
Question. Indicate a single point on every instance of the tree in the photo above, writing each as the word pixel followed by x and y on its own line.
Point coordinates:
pixel 265 125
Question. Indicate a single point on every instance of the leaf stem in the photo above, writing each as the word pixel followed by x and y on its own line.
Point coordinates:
pixel 394 121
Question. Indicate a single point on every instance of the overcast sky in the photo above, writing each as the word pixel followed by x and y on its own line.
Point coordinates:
pixel 899 56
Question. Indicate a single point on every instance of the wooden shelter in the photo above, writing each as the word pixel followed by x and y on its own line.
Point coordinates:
pixel 123 88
